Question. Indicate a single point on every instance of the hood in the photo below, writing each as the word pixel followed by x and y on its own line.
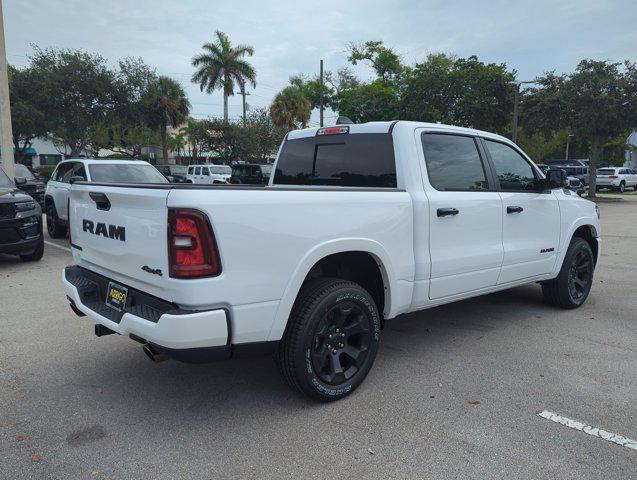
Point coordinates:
pixel 13 195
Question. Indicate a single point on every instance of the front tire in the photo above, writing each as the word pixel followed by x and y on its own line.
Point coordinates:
pixel 331 339
pixel 571 287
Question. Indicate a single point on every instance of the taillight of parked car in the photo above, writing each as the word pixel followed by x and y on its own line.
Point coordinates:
pixel 192 250
pixel 612 177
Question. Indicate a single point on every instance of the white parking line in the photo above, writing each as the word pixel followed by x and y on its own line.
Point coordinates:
pixel 57 246
pixel 594 431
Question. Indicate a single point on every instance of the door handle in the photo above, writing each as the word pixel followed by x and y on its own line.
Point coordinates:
pixel 514 209
pixel 445 212
pixel 101 200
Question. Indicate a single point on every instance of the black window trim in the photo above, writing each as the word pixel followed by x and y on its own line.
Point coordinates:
pixel 534 169
pixel 488 173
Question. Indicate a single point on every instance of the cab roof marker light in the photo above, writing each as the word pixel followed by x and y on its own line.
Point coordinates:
pixel 331 131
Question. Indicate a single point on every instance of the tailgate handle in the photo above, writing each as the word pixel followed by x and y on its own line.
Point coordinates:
pixel 101 200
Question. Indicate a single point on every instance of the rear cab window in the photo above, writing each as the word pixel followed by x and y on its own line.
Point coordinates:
pixel 344 160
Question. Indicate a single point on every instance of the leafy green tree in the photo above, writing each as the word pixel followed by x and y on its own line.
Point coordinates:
pixel 75 91
pixel 196 136
pixel 221 66
pixel 459 91
pixel 167 104
pixel 261 137
pixel 385 62
pixel 291 108
pixel 597 103
pixel 177 142
pixel 27 118
pixel 368 102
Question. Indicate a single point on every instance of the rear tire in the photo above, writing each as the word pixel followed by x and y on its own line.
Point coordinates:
pixel 622 187
pixel 53 223
pixel 571 287
pixel 331 339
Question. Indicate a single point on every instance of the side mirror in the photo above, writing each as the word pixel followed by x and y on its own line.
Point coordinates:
pixel 555 178
pixel 76 178
pixel 20 180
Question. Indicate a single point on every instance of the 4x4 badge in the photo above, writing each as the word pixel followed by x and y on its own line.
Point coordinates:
pixel 154 271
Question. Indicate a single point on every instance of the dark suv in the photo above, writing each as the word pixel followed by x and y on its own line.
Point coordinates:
pixel 251 173
pixel 20 222
pixel 31 184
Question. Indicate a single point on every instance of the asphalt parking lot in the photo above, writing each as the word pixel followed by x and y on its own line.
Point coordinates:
pixel 455 391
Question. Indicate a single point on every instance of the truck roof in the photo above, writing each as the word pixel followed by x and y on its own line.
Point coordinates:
pixel 387 126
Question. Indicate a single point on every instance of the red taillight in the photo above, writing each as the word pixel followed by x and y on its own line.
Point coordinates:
pixel 192 250
pixel 612 177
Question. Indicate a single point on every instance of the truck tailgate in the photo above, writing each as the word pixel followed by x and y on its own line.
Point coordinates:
pixel 121 232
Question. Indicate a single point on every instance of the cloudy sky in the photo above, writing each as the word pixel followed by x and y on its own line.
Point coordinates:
pixel 291 37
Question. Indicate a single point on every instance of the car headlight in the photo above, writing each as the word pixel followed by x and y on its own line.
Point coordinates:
pixel 24 206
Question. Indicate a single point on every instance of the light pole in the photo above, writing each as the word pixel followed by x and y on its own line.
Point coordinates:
pixel 516 94
pixel 568 143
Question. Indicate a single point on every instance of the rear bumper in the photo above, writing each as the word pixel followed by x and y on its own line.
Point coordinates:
pixel 148 319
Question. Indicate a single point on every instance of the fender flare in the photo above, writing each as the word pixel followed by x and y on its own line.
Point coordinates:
pixel 316 254
pixel 580 222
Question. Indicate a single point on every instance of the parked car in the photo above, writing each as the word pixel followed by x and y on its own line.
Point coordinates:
pixel 359 224
pixel 26 181
pixel 574 168
pixel 210 174
pixel 20 222
pixel 56 196
pixel 251 173
pixel 177 173
pixel 616 178
pixel 572 183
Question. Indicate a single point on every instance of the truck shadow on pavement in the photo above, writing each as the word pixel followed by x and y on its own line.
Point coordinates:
pixel 116 377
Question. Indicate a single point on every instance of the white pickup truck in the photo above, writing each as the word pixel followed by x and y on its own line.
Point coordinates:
pixel 359 224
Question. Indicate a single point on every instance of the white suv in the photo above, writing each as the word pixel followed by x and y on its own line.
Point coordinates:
pixel 208 174
pixel 68 171
pixel 616 178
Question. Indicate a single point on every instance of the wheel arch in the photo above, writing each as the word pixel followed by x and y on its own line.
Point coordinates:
pixel 340 259
pixel 588 233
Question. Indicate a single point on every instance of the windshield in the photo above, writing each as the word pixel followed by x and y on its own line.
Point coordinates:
pixel 220 169
pixel 606 171
pixel 125 173
pixel 4 180
pixel 23 171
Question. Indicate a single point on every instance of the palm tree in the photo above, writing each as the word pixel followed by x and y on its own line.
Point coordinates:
pixel 221 66
pixel 169 106
pixel 290 108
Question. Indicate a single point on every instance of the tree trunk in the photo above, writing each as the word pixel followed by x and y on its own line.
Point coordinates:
pixel 164 144
pixel 225 106
pixel 596 151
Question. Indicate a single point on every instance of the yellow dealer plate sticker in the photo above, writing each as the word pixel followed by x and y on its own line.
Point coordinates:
pixel 116 296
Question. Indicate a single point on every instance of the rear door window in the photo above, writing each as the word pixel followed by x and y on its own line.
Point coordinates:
pixel 346 160
pixel 453 163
